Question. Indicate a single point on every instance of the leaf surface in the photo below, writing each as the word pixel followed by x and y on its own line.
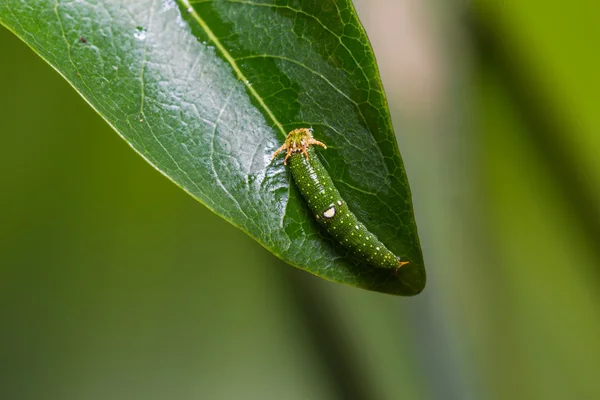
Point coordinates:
pixel 206 91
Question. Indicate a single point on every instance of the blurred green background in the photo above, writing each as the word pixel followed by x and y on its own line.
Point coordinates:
pixel 116 284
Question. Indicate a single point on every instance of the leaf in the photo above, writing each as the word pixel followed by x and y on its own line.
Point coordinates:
pixel 206 91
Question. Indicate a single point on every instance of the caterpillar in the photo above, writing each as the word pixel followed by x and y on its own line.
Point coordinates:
pixel 326 203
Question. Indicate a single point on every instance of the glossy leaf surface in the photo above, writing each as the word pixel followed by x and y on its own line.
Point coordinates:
pixel 205 91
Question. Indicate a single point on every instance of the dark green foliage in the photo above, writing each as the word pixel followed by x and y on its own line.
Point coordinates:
pixel 204 91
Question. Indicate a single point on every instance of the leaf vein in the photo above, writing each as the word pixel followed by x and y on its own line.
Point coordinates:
pixel 228 57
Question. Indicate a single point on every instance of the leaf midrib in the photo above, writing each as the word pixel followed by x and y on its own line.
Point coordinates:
pixel 229 58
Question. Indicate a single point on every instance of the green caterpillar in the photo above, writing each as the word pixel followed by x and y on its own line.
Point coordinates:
pixel 326 203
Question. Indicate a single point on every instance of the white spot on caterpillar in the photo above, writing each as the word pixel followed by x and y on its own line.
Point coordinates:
pixel 356 226
pixel 377 248
pixel 339 203
pixel 329 213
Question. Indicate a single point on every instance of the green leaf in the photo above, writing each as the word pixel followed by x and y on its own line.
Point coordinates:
pixel 206 91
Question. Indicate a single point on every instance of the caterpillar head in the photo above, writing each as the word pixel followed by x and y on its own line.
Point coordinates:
pixel 298 141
